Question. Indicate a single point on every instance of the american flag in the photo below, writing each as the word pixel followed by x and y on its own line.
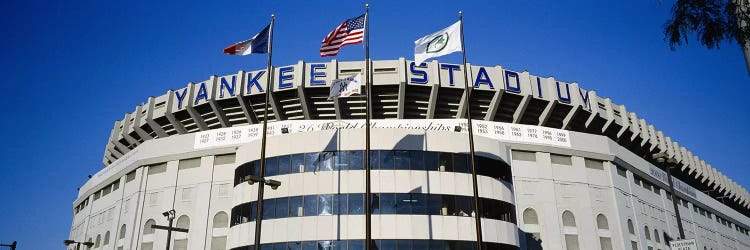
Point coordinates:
pixel 350 32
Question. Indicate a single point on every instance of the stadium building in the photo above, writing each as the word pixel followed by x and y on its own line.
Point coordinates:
pixel 558 166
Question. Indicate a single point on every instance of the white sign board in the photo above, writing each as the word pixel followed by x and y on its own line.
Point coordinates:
pixel 509 132
pixel 688 244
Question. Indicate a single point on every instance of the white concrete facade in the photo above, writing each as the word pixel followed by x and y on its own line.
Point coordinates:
pixel 581 175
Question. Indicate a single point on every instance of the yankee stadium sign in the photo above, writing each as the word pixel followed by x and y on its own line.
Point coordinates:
pixel 311 75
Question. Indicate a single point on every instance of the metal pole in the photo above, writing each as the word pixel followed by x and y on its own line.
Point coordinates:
pixel 368 208
pixel 169 232
pixel 467 90
pixel 261 184
pixel 674 199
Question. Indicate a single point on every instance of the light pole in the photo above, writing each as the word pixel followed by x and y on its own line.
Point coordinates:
pixel 668 162
pixel 67 242
pixel 274 184
pixel 170 217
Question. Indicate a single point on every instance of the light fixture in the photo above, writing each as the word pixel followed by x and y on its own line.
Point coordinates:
pixel 285 130
pixel 169 214
pixel 457 128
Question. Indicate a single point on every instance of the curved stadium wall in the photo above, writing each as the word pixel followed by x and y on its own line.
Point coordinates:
pixel 558 167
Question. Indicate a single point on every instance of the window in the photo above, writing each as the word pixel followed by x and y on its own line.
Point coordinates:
pixel 147 227
pixel 311 162
pixel 401 160
pixel 568 219
pixel 181 243
pixel 295 206
pixel 530 217
pixel 571 242
pixel 634 245
pixel 622 172
pixel 523 155
pixel 98 241
pixel 311 205
pixel 656 236
pixel 561 159
pixel 605 243
pixel 122 232
pixel 157 169
pixel 106 238
pixel 189 163
pixel 224 159
pixel 648 233
pixel 221 220
pixel 601 222
pixel 130 176
pixel 631 228
pixel 147 246
pixel 594 164
pixel 219 243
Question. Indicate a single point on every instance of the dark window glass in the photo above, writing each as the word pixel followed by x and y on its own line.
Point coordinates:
pixel 266 247
pixel 295 206
pixel 342 160
pixel 356 203
pixel 356 245
pixel 326 161
pixel 387 244
pixel 283 162
pixel 294 245
pixel 311 162
pixel 403 244
pixel 298 163
pixel 282 207
pixel 416 159
pixel 464 205
pixel 387 203
pixel 446 162
pixel 255 168
pixel 326 245
pixel 449 204
pixel 418 203
pixel 438 244
pixel 375 203
pixel 309 245
pixel 253 210
pixel 461 163
pixel 272 166
pixel 325 204
pixel 280 246
pixel 401 160
pixel 386 159
pixel 420 244
pixel 374 162
pixel 339 204
pixel 356 160
pixel 311 205
pixel 404 203
pixel 432 161
pixel 269 209
pixel 434 204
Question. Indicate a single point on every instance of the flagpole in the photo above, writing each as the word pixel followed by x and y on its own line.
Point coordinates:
pixel 261 185
pixel 467 90
pixel 368 207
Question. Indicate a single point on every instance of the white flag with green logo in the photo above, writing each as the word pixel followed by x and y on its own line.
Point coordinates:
pixel 439 43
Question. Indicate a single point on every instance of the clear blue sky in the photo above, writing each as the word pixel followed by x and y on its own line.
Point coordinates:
pixel 71 68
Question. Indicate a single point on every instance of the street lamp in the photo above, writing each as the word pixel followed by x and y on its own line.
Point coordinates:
pixel 274 184
pixel 68 242
pixel 669 162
